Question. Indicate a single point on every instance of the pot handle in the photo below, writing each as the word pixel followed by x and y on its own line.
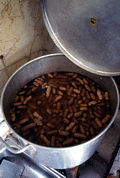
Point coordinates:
pixel 14 150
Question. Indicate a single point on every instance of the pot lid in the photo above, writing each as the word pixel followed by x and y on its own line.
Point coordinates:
pixel 87 32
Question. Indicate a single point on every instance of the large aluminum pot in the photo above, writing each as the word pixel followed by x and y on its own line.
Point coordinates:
pixel 67 157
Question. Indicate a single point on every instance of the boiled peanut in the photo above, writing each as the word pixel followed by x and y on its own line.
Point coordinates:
pixel 60 109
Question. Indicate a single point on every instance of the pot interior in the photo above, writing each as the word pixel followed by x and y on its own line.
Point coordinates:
pixel 47 64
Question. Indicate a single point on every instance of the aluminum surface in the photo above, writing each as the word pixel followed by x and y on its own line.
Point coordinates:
pixel 91 44
pixel 23 166
pixel 10 170
pixel 59 158
pixel 97 165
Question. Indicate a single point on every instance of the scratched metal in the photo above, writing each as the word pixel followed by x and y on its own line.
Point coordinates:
pixel 93 47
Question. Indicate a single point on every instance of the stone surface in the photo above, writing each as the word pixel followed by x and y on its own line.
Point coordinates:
pixel 23 35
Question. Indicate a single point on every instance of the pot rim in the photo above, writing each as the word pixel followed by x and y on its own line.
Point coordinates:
pixel 56 148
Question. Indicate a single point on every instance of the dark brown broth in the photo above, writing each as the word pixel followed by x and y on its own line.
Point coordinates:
pixel 47 103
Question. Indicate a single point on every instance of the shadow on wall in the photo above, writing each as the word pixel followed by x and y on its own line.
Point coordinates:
pixel 23 35
pixel 23 31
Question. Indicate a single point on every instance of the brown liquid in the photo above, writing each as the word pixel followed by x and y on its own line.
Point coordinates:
pixel 52 111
